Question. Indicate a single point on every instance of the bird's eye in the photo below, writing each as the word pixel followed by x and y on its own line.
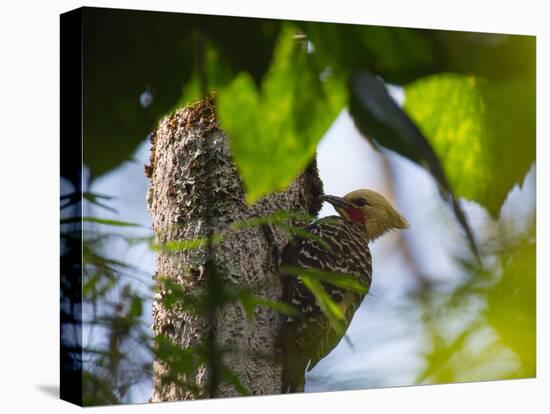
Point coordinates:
pixel 360 202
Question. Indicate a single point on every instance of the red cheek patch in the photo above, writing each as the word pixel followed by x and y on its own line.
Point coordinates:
pixel 356 215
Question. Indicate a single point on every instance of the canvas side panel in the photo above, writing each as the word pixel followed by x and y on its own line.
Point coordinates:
pixel 71 206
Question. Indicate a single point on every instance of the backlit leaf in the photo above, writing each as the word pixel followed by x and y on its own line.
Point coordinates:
pixel 484 142
pixel 343 280
pixel 274 131
pixel 327 305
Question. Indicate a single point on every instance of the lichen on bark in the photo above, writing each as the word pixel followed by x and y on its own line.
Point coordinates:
pixel 190 154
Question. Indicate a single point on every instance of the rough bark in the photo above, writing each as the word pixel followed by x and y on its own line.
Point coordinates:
pixel 191 155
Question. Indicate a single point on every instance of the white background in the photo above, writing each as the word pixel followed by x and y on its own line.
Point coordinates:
pixel 29 100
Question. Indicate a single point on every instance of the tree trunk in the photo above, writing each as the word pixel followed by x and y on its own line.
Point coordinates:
pixel 194 186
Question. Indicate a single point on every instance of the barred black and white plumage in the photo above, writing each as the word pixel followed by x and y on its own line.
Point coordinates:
pixel 306 339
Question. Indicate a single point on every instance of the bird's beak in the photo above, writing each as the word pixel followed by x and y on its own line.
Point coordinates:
pixel 336 201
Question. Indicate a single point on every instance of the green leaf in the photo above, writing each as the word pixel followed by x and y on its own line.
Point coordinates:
pixel 218 72
pixel 274 131
pixel 381 120
pixel 99 221
pixel 279 306
pixel 512 306
pixel 136 308
pixel 280 219
pixel 95 199
pixel 179 360
pixel 231 377
pixel 174 296
pixel 90 284
pixel 342 280
pixel 248 307
pixel 160 56
pixel 480 131
pixel 397 54
pixel 249 300
pixel 327 305
pixel 304 234
pixel 161 49
pixel 138 240
pixel 489 55
pixel 77 196
pixel 182 245
pixel 276 218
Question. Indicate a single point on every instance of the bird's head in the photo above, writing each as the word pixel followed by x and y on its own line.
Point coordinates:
pixel 369 209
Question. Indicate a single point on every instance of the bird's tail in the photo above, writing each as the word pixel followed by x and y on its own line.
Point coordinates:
pixel 293 374
pixel 294 361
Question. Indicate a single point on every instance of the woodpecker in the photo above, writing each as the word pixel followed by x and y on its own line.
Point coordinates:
pixel 364 215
